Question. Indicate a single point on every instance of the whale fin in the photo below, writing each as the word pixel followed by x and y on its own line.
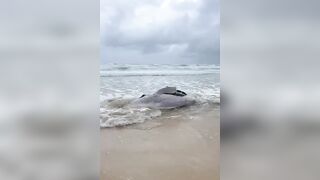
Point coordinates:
pixel 167 90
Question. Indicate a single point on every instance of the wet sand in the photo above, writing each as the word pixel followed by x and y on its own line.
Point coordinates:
pixel 168 148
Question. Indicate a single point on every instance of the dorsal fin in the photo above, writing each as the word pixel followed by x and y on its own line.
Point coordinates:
pixel 167 90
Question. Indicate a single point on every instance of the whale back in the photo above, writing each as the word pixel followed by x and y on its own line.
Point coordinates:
pixel 167 90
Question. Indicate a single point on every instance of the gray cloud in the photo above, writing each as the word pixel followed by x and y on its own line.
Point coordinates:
pixel 167 31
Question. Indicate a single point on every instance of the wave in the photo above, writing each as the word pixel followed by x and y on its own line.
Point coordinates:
pixel 113 70
pixel 152 73
pixel 118 112
pixel 157 66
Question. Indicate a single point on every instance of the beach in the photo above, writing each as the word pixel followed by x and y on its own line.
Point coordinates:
pixel 148 143
pixel 167 148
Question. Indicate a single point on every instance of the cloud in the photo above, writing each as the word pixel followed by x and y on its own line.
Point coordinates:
pixel 168 31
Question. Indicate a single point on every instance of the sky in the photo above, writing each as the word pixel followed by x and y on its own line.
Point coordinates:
pixel 160 31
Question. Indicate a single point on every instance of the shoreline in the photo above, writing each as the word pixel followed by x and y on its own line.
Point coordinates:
pixel 168 148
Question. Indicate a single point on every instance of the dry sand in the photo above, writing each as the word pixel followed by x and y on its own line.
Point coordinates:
pixel 168 148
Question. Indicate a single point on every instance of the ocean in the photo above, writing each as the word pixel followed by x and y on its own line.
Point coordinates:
pixel 123 83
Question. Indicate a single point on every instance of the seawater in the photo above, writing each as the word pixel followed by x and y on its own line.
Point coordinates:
pixel 120 84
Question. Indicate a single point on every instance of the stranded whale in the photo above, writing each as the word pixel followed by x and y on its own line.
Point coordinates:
pixel 165 98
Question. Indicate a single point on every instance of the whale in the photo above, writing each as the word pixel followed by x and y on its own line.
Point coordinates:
pixel 165 98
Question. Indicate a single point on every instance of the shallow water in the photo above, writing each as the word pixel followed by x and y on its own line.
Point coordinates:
pixel 121 84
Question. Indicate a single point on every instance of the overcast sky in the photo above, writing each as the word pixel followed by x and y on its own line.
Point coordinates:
pixel 160 31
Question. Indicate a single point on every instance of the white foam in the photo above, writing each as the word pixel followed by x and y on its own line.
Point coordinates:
pixel 115 117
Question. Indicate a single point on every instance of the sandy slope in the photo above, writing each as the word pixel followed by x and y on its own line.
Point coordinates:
pixel 169 148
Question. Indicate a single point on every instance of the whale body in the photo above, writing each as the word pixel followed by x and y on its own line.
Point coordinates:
pixel 165 98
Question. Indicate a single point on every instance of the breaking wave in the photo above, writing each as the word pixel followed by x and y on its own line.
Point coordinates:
pixel 114 70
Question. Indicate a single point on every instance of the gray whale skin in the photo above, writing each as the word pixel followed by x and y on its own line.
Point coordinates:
pixel 163 99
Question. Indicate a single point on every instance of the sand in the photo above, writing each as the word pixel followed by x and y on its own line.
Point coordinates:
pixel 168 148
